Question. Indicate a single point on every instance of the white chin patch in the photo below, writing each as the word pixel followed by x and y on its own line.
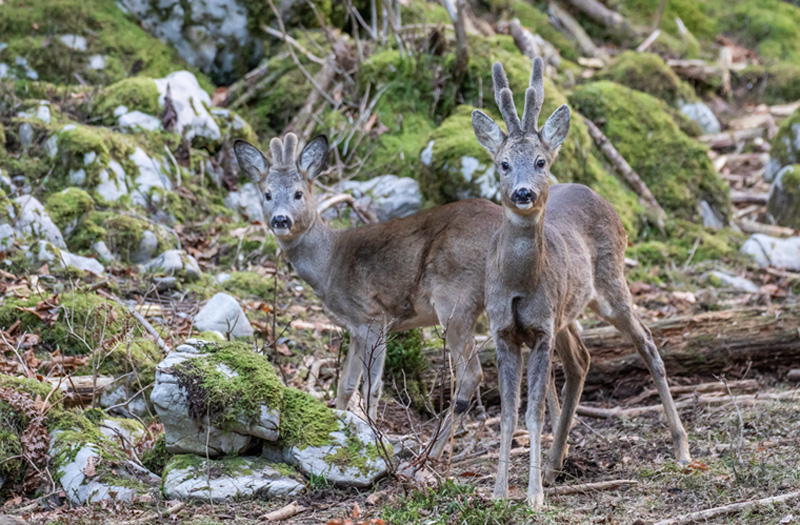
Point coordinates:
pixel 281 232
pixel 525 206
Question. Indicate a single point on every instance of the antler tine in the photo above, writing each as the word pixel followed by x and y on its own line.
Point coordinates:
pixel 504 98
pixel 276 147
pixel 534 97
pixel 289 148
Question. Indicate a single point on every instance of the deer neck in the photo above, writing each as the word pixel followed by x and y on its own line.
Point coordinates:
pixel 310 253
pixel 523 249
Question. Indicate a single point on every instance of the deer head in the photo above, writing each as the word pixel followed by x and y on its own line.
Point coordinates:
pixel 524 154
pixel 286 196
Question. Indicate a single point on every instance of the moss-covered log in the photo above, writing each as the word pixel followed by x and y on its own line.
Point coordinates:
pixel 707 344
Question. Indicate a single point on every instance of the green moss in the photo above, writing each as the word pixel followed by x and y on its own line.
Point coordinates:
pixel 784 199
pixel 785 146
pixel 305 421
pixel 776 83
pixel 76 143
pixel 405 366
pixel 140 357
pixel 224 398
pixel 137 94
pixel 31 29
pixel 769 26
pixel 233 127
pixel 249 284
pixel 682 235
pixel 156 457
pixel 351 455
pixel 122 234
pixel 674 166
pixel 68 208
pixel 649 73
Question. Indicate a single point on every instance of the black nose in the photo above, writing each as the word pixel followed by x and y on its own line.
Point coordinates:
pixel 523 195
pixel 281 221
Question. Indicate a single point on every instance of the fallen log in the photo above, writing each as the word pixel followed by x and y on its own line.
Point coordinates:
pixel 570 27
pixel 748 226
pixel 707 344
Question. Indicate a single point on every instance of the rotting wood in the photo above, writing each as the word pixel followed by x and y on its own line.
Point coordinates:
pixel 532 45
pixel 573 29
pixel 749 197
pixel 730 139
pixel 773 230
pixel 703 515
pixel 611 20
pixel 697 70
pixel 283 513
pixel 83 388
pixel 627 173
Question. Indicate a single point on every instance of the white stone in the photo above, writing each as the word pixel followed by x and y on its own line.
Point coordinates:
pixel 33 220
pixel 112 182
pixel 771 251
pixel 191 104
pixel 427 154
pixel 147 248
pixel 126 400
pixel 47 253
pixel 736 282
pixel 222 277
pixel 703 116
pixel 77 177
pixel 102 251
pixel 246 201
pixel 389 196
pixel 51 146
pixel 223 314
pixel 255 479
pixel 97 61
pixel 125 435
pixel 74 42
pixel 7 235
pixel 316 460
pixel 151 176
pixel 25 135
pixel 710 219
pixel 173 261
pixel 89 158
pixel 137 120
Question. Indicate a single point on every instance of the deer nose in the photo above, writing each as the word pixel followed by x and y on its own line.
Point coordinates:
pixel 523 195
pixel 281 222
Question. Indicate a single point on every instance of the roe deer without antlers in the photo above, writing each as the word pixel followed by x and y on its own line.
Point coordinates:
pixel 406 273
pixel 559 249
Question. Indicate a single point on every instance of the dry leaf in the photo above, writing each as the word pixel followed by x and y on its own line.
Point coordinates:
pixel 90 471
pixel 356 511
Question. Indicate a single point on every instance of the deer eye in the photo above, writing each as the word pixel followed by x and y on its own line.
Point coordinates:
pixel 540 163
pixel 268 196
pixel 505 165
pixel 298 195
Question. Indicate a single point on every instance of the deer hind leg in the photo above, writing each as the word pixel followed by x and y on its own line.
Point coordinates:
pixel 575 358
pixel 353 366
pixel 509 371
pixel 467 377
pixel 617 309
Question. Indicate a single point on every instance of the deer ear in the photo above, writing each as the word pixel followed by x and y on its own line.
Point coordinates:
pixel 312 158
pixel 251 160
pixel 556 128
pixel 488 133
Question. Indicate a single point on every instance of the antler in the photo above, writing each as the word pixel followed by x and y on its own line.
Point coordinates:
pixel 289 148
pixel 534 97
pixel 504 99
pixel 276 147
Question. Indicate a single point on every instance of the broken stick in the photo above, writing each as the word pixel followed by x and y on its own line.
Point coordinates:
pixel 703 515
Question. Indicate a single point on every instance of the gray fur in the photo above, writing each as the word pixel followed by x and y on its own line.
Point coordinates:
pixel 312 158
pixel 251 160
pixel 555 254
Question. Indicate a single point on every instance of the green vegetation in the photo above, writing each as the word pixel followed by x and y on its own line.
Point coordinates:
pixel 137 94
pixel 405 365
pixel 784 199
pixel 305 421
pixel 674 166
pixel 649 73
pixel 31 29
pixel 78 141
pixel 226 397
pixel 69 207
pixel 785 146
pixel 249 284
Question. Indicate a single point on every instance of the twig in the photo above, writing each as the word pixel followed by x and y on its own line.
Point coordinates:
pixel 152 517
pixel 292 42
pixel 283 513
pixel 703 515
pixel 589 487
pixel 649 41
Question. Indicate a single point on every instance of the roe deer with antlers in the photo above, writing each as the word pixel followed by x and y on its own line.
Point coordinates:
pixel 559 249
pixel 402 274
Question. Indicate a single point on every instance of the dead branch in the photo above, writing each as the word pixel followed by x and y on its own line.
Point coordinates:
pixel 283 513
pixel 590 487
pixel 644 46
pixel 611 20
pixel 749 197
pixel 573 29
pixel 772 230
pixel 697 70
pixel 532 45
pixel 292 42
pixel 624 169
pixel 365 215
pixel 456 10
pixel 324 80
pixel 729 139
pixel 793 375
pixel 152 517
pixel 705 399
pixel 82 389
pixel 703 515
pixel 746 385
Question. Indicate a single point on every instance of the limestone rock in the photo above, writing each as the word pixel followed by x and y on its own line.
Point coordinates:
pixel 734 281
pixel 784 197
pixel 175 261
pixel 223 314
pixel 703 116
pixel 771 251
pixel 186 478
pixel 246 201
pixel 147 248
pixel 45 252
pixel 152 175
pixel 389 196
pixel 351 460
pixel 191 103
pixel 30 218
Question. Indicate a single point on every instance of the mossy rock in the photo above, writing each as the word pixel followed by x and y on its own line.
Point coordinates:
pixel 776 83
pixel 784 197
pixel 649 73
pixel 122 234
pixel 675 167
pixel 33 32
pixel 156 458
pixel 232 126
pixel 136 94
pixel 305 420
pixel 768 26
pixel 249 284
pixel 785 146
pixel 68 208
